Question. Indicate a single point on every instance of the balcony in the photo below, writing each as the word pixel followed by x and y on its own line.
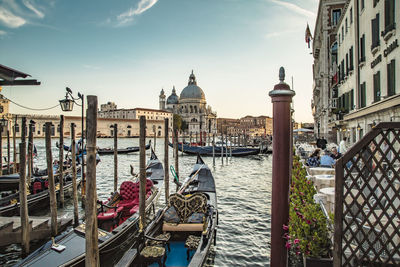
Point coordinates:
pixel 389 31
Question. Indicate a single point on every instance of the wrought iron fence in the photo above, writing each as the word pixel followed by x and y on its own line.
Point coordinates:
pixel 367 200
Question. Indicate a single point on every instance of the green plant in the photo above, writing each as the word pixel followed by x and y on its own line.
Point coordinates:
pixel 307 229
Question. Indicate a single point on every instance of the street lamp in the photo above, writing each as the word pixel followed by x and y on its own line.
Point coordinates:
pixel 67 104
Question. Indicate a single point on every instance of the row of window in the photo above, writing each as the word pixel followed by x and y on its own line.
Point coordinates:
pixel 346 65
pixel 346 100
pixel 375 42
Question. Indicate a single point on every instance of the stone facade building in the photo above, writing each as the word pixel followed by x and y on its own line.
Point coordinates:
pixel 248 125
pixel 368 88
pixel 324 67
pixel 191 105
pixel 361 53
pixel 127 121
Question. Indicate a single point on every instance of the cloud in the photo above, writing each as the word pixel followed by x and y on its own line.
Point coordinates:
pixel 10 20
pixel 128 16
pixel 294 8
pixel 29 5
pixel 91 67
pixel 2 33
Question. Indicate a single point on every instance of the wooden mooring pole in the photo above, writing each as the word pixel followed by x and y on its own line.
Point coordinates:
pixel 74 185
pixel 50 177
pixel 226 148
pixel 142 176
pixel 8 152
pixel 30 151
pixel 15 146
pixel 115 157
pixel 213 145
pixel 166 160
pixel 176 156
pixel 281 97
pixel 230 146
pixel 61 162
pixel 1 149
pixel 23 187
pixel 222 149
pixel 91 231
pixel 155 137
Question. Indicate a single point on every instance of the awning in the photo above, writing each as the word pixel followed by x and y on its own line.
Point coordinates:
pixel 8 77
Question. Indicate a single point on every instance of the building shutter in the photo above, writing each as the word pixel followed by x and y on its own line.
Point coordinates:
pixel 375 31
pixel 352 99
pixel 377 86
pixel 351 59
pixel 391 79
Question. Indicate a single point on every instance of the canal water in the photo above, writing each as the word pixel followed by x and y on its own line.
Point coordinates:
pixel 244 200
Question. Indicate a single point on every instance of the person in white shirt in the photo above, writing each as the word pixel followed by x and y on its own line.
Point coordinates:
pixel 343 146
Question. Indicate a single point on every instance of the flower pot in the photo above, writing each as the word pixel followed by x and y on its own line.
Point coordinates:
pixel 317 262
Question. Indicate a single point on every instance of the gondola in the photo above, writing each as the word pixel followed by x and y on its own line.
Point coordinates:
pixel 182 232
pixel 9 182
pixel 38 199
pixel 118 226
pixel 207 151
pixel 110 151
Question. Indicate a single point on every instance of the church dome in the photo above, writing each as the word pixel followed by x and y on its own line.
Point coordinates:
pixel 192 90
pixel 173 98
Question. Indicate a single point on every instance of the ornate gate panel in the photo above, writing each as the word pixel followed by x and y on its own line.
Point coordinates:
pixel 367 200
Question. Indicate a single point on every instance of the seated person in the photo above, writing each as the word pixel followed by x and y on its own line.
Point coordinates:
pixel 313 160
pixel 327 160
pixel 335 154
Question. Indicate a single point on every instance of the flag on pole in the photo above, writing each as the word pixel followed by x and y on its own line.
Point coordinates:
pixel 308 36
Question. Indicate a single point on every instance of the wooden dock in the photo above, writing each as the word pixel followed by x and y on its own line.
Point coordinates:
pixel 39 228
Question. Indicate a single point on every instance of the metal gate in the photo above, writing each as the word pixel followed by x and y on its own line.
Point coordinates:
pixel 367 200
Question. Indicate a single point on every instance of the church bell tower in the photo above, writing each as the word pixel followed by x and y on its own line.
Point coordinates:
pixel 162 99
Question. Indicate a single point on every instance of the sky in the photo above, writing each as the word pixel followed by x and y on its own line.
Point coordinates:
pixel 126 51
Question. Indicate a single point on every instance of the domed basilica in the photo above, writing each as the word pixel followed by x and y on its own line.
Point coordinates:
pixel 191 105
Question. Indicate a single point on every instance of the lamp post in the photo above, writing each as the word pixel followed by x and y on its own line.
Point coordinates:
pixel 67 104
pixel 3 123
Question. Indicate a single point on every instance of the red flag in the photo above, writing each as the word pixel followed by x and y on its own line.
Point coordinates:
pixel 308 36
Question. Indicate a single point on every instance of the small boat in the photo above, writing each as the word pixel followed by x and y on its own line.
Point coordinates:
pixel 110 151
pixel 38 199
pixel 182 232
pixel 208 150
pixel 9 182
pixel 118 222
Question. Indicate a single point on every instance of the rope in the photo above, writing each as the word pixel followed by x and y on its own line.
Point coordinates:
pixel 31 108
pixel 174 174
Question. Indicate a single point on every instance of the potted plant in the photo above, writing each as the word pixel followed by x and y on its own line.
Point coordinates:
pixel 307 234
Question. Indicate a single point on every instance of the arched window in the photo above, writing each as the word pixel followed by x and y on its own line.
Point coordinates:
pixel 195 109
pixel 191 109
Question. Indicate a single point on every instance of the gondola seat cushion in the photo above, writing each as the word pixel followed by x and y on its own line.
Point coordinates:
pixel 171 215
pixel 164 236
pixel 191 212
pixel 109 215
pixel 192 242
pixel 196 217
pixel 37 187
pixel 129 192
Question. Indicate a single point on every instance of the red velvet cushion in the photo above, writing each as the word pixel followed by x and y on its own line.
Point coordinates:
pixel 134 209
pixel 106 215
pixel 127 190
